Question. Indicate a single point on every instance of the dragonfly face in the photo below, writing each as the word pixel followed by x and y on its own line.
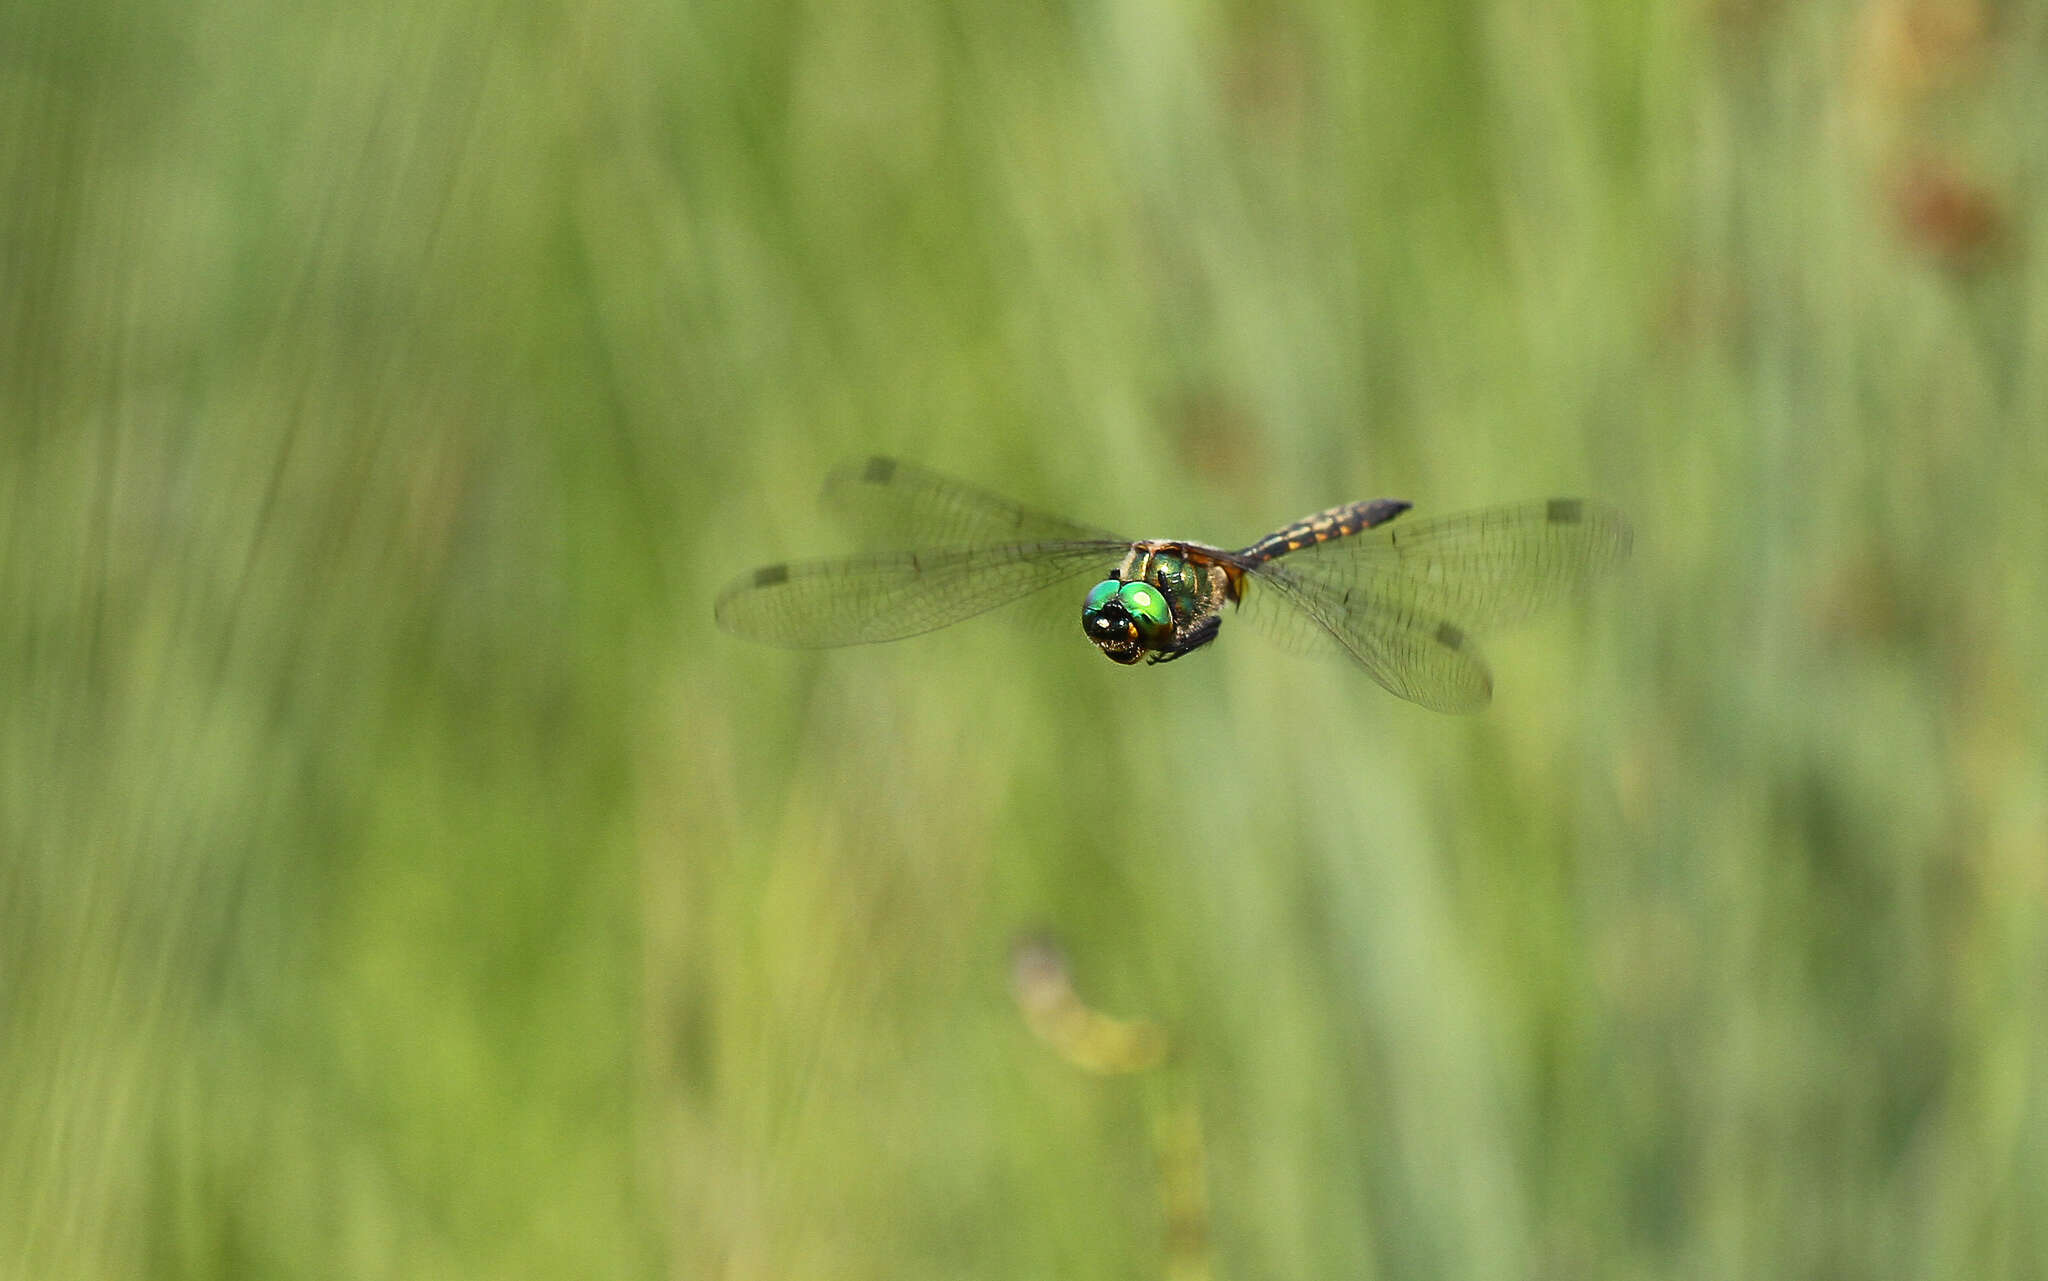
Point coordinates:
pixel 1126 620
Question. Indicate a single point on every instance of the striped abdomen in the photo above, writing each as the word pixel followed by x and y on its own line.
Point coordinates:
pixel 1338 522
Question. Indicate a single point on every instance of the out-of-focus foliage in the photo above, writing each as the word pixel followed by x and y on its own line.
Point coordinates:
pixel 401 877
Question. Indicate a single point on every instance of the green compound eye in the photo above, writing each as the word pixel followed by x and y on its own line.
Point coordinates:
pixel 1098 596
pixel 1148 609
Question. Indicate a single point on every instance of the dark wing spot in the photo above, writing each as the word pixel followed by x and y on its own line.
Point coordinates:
pixel 769 575
pixel 1565 511
pixel 1449 637
pixel 880 471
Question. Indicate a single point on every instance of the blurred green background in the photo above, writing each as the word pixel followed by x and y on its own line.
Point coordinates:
pixel 400 876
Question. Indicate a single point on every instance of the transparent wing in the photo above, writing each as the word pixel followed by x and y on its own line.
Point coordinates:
pixel 1405 600
pixel 1483 570
pixel 864 599
pixel 1421 657
pixel 894 504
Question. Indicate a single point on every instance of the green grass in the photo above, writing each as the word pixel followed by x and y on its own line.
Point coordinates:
pixel 400 876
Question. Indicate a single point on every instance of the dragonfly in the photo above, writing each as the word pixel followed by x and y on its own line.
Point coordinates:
pixel 1401 599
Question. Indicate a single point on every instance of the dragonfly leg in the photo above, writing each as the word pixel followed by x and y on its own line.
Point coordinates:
pixel 1193 637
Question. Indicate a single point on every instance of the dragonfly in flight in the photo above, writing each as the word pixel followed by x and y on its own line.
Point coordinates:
pixel 1403 601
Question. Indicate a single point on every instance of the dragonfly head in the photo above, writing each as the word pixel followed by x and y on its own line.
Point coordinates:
pixel 1125 620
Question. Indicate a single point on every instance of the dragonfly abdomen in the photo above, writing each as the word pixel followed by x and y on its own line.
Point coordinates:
pixel 1337 522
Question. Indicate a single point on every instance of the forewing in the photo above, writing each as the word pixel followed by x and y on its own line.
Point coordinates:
pixel 895 504
pixel 864 599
